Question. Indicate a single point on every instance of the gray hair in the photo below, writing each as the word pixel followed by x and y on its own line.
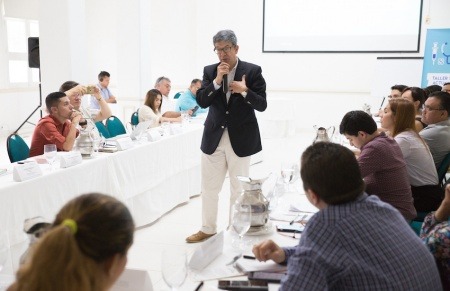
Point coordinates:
pixel 225 35
pixel 160 79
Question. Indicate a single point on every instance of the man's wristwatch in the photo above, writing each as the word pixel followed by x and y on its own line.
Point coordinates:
pixel 244 94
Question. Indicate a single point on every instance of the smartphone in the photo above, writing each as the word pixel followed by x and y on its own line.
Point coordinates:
pixel 194 109
pixel 243 285
pixel 290 228
pixel 90 89
pixel 270 277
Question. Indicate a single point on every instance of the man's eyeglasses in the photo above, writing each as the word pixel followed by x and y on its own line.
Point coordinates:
pixel 222 50
pixel 428 108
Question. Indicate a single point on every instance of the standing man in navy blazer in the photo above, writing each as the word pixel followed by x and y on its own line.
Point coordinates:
pixel 233 90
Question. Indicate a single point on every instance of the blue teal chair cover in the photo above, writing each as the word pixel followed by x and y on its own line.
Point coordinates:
pixel 442 169
pixel 17 149
pixel 134 119
pixel 177 95
pixel 115 126
pixel 416 226
pixel 102 129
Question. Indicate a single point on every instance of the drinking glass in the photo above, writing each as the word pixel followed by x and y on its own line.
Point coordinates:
pixel 241 222
pixel 50 154
pixel 99 141
pixel 275 194
pixel 174 267
pixel 287 173
pixel 184 117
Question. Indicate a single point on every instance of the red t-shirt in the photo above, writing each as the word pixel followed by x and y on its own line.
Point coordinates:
pixel 49 131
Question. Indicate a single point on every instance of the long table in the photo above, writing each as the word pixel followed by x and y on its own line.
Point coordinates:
pixel 151 178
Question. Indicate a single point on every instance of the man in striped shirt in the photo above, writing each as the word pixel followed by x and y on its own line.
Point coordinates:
pixel 355 241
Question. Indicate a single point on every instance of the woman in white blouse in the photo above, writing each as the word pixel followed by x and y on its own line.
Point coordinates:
pixel 151 110
pixel 399 119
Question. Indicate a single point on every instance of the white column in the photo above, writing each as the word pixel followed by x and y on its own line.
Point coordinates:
pixel 62 43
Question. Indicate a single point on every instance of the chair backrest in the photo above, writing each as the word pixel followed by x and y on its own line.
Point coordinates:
pixel 115 126
pixel 102 129
pixel 443 168
pixel 134 119
pixel 176 96
pixel 17 148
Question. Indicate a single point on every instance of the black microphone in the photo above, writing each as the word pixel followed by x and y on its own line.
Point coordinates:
pixel 225 83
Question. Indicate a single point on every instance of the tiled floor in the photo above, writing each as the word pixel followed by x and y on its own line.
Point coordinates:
pixel 171 230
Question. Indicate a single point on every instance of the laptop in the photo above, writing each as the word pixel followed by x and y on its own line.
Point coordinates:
pixel 140 128
pixel 133 280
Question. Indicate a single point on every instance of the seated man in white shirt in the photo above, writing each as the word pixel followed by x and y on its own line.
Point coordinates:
pixel 435 114
pixel 168 105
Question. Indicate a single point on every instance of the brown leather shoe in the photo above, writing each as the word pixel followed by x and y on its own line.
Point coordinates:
pixel 198 237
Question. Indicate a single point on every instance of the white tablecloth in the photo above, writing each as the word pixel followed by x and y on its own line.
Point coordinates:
pixel 151 178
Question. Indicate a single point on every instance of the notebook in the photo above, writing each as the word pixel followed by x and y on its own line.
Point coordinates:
pixel 246 265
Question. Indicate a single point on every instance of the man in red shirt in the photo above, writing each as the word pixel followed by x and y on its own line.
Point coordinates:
pixel 59 127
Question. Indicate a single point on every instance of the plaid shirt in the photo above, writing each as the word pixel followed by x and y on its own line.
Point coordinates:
pixel 362 245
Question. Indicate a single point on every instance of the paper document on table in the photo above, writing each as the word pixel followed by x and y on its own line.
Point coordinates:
pixel 207 252
pixel 274 286
pixel 219 268
pixel 302 204
pixel 291 216
pixel 246 266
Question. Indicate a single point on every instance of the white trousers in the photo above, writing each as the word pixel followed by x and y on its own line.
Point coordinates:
pixel 214 169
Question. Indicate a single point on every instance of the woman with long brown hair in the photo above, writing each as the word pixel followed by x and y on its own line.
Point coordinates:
pixel 151 110
pixel 399 119
pixel 85 249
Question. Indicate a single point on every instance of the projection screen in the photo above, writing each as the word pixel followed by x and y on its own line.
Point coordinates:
pixel 341 25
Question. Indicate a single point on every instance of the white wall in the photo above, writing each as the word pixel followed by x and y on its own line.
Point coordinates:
pixel 138 41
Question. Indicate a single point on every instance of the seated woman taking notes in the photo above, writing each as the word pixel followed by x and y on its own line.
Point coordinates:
pixel 151 110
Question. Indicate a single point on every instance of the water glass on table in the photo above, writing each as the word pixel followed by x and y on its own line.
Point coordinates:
pixel 185 117
pixel 174 267
pixel 241 222
pixel 50 153
pixel 287 173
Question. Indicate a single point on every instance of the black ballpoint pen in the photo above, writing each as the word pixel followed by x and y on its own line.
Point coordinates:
pixel 199 286
pixel 249 257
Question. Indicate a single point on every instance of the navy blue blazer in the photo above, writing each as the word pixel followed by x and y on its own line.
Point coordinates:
pixel 238 115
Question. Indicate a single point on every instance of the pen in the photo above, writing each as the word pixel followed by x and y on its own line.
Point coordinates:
pixel 199 286
pixel 249 257
pixel 381 106
pixel 293 220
